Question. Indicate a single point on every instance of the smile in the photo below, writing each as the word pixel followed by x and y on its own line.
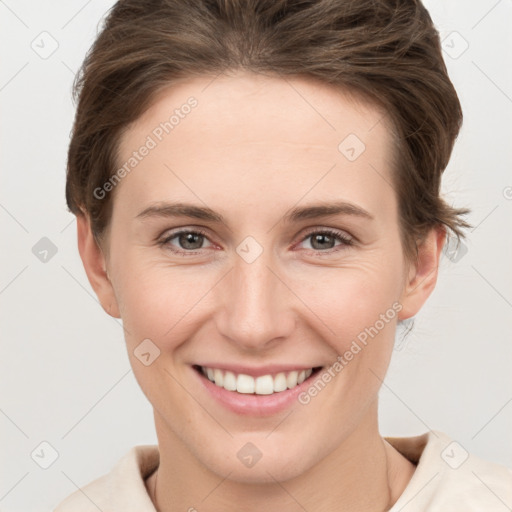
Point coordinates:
pixel 268 384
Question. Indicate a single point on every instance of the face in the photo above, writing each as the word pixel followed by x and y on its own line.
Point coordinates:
pixel 257 238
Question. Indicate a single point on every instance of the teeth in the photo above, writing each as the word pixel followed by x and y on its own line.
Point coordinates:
pixel 218 377
pixel 263 385
pixel 244 383
pixel 291 379
pixel 280 382
pixel 230 381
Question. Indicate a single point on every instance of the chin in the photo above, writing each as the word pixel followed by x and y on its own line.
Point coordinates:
pixel 263 470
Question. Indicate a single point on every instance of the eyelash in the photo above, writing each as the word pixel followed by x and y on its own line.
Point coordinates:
pixel 345 241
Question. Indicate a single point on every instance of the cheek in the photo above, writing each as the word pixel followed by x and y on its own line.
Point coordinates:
pixel 159 302
pixel 352 298
pixel 168 303
pixel 365 312
pixel 360 309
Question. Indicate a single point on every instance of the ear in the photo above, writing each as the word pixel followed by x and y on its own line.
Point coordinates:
pixel 95 266
pixel 422 276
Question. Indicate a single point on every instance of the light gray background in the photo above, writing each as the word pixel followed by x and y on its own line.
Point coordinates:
pixel 65 375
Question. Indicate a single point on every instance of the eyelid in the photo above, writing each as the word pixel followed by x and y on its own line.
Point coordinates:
pixel 334 231
pixel 346 240
pixel 167 235
pixel 170 232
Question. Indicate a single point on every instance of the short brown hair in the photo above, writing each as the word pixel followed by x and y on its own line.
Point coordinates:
pixel 387 51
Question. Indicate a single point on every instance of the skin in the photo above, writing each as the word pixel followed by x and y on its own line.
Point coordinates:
pixel 252 149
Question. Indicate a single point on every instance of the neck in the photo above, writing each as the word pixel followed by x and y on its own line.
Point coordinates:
pixel 363 473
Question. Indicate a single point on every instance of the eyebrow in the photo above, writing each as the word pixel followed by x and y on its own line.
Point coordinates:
pixel 170 210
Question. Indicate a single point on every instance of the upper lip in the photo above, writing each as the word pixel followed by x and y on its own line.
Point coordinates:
pixel 257 371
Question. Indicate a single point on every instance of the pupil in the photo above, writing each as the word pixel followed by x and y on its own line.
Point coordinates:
pixel 321 238
pixel 188 240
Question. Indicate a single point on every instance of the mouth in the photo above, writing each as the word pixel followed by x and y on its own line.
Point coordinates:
pixel 267 384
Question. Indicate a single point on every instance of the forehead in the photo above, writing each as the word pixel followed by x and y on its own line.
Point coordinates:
pixel 255 132
pixel 249 103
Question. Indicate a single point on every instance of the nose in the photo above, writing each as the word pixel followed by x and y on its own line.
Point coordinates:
pixel 256 309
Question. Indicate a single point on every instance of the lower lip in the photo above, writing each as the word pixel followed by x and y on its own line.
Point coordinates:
pixel 252 404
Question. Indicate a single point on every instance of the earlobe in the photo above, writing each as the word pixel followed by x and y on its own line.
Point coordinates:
pixel 423 275
pixel 95 266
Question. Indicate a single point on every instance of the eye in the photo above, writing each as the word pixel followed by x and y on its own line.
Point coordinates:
pixel 324 240
pixel 188 241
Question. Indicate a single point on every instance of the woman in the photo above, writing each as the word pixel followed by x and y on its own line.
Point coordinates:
pixel 257 192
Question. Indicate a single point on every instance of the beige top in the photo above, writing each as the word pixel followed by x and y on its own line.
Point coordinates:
pixel 447 478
